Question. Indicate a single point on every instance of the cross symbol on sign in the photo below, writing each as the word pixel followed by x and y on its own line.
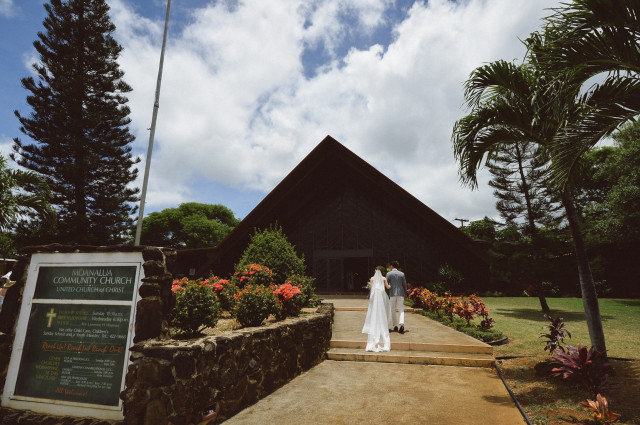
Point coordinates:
pixel 51 315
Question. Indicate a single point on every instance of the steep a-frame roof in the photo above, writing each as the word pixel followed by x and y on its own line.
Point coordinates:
pixel 319 173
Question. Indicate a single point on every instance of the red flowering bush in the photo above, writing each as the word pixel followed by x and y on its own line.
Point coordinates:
pixel 305 283
pixel 253 274
pixel 225 290
pixel 253 304
pixel 196 307
pixel 289 300
pixel 179 284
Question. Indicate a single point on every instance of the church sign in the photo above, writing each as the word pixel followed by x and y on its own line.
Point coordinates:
pixel 73 334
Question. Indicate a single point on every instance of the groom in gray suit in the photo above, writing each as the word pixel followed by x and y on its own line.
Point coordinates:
pixel 398 291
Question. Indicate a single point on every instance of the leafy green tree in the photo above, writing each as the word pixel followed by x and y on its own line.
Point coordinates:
pixel 270 247
pixel 190 225
pixel 484 229
pixel 513 265
pixel 611 193
pixel 515 103
pixel 79 124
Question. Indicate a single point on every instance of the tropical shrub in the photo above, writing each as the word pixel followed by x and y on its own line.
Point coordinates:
pixel 305 283
pixel 600 410
pixel 253 274
pixel 466 311
pixel 449 305
pixel 486 335
pixel 482 311
pixel 253 305
pixel 271 248
pixel 289 301
pixel 196 307
pixel 415 294
pixel 556 334
pixel 581 364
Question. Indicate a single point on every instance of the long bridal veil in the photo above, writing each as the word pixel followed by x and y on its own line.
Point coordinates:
pixel 377 323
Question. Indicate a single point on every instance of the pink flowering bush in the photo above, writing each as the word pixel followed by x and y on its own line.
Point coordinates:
pixel 289 300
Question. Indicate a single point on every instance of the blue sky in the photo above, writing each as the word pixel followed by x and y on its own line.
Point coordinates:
pixel 251 87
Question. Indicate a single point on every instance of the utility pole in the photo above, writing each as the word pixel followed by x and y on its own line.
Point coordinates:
pixel 152 132
pixel 461 220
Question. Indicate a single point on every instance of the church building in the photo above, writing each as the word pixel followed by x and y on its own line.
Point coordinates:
pixel 346 218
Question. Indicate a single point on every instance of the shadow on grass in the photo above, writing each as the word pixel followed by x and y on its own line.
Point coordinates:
pixel 629 302
pixel 538 316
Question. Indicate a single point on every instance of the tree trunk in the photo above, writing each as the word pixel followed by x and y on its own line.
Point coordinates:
pixel 543 300
pixel 533 230
pixel 587 287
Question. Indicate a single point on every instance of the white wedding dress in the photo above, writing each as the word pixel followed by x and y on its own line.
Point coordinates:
pixel 377 322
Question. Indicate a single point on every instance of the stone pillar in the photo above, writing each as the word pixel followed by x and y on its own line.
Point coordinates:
pixel 157 299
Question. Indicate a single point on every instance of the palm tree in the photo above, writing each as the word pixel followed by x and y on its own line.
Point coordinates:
pixel 587 39
pixel 22 192
pixel 596 36
pixel 512 104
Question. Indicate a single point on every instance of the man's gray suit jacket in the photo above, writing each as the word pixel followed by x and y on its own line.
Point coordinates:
pixel 398 283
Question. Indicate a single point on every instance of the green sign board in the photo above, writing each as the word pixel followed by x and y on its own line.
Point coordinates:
pixel 86 282
pixel 74 352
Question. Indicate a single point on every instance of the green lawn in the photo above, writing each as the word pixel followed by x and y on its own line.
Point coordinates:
pixel 521 319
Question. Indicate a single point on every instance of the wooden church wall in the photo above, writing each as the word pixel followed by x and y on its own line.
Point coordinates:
pixel 355 224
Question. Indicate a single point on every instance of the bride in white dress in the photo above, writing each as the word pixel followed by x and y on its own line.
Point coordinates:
pixel 377 322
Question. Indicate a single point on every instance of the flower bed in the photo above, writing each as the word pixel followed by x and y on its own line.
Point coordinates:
pixel 456 312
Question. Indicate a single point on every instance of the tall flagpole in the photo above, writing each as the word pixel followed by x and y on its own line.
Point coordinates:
pixel 156 105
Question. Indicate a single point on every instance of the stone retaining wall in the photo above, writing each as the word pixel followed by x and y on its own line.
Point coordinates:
pixel 177 382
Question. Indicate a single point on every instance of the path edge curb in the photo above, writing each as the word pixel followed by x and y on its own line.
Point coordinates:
pixel 512 394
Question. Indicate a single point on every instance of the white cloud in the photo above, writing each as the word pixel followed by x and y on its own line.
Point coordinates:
pixel 7 8
pixel 236 107
pixel 5 146
pixel 330 21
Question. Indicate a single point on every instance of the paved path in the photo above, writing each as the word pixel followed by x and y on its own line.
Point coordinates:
pixel 381 390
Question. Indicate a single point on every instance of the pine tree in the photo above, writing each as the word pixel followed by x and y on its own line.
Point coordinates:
pixel 520 184
pixel 79 124
pixel 519 180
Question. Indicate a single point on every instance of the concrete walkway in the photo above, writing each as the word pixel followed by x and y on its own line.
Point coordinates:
pixel 395 387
